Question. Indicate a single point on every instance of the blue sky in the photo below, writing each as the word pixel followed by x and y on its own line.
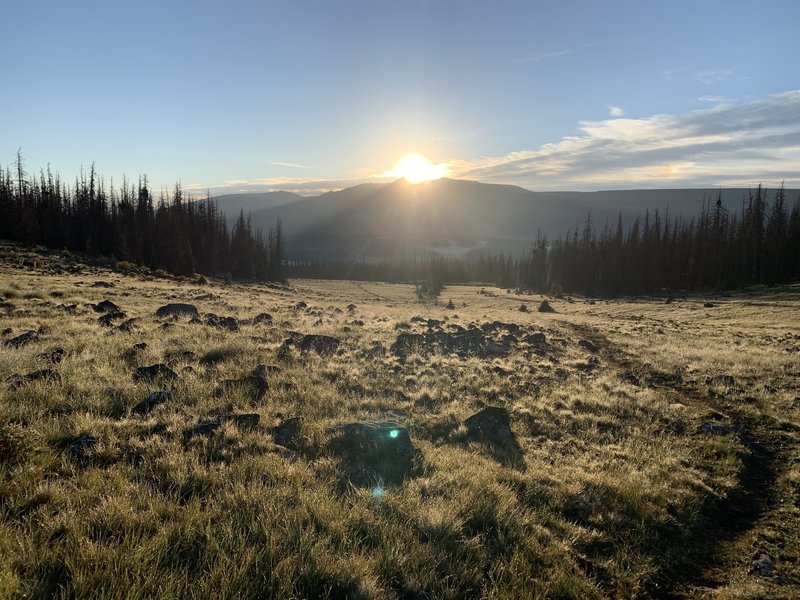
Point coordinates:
pixel 320 95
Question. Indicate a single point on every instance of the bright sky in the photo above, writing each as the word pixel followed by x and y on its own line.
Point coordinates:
pixel 317 95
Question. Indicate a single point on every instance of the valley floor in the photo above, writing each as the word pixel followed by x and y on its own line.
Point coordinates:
pixel 651 447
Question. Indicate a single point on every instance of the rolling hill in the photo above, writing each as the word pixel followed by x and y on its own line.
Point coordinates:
pixel 455 217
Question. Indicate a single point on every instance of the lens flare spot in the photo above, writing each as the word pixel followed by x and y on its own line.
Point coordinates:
pixel 394 433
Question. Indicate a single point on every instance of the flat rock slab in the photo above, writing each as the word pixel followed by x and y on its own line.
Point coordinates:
pixel 177 309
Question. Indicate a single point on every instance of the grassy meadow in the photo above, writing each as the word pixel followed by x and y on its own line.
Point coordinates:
pixel 655 442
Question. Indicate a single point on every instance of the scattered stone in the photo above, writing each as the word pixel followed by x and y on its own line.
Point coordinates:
pixel 80 447
pixel 48 375
pixel 152 400
pixel 204 429
pixel 43 330
pixel 721 380
pixel 492 421
pixel 106 306
pixel 287 432
pixel 536 339
pixel 262 318
pixel 301 305
pixel 8 331
pixel 351 308
pixel 229 323
pixel 708 305
pixel 107 320
pixel 23 339
pixel 156 371
pixel 242 420
pixel 195 321
pixel 492 426
pixel 177 309
pixel 141 346
pixel 173 358
pixel 715 428
pixel 472 342
pixel 286 453
pixel 128 325
pixel 102 284
pixel 324 345
pixel 630 377
pixel 55 356
pixel 545 307
pixel 374 453
pixel 523 308
pixel 255 385
pixel 588 345
pixel 762 564
pixel 261 370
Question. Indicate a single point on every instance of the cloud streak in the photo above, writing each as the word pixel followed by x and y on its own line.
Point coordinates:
pixel 727 144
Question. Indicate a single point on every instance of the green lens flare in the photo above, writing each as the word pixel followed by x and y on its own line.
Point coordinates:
pixel 394 433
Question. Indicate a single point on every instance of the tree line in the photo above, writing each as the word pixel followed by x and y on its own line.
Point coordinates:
pixel 174 233
pixel 718 249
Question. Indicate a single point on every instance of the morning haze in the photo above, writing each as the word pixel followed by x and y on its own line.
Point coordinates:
pixel 421 300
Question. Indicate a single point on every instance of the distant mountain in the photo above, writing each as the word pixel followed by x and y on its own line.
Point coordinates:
pixel 232 204
pixel 458 217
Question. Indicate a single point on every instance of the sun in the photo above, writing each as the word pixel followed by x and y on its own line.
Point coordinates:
pixel 415 168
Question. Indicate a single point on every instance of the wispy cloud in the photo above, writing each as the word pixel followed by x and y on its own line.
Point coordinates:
pixel 540 56
pixel 291 165
pixel 710 76
pixel 727 144
pixel 615 111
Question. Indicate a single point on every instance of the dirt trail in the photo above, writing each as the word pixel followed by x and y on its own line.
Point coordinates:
pixel 709 564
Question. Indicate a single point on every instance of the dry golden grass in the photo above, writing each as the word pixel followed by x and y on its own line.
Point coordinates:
pixel 620 494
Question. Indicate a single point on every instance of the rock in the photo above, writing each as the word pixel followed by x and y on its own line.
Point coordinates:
pixel 535 339
pixel 205 429
pixel 55 356
pixel 545 307
pixel 242 420
pixel 523 308
pixel 762 564
pixel 128 325
pixel 107 320
pixel 152 400
pixel 492 421
pixel 287 431
pixel 177 309
pixel 262 318
pixel 261 370
pixel 351 308
pixel 173 358
pixel 106 306
pixel 721 380
pixel 102 284
pixel 255 385
pixel 407 344
pixel 492 426
pixel 156 371
pixel 708 305
pixel 630 377
pixel 374 453
pixel 141 346
pixel 229 323
pixel 323 345
pixel 48 375
pixel 23 339
pixel 80 447
pixel 301 305
pixel 715 428
pixel 588 345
